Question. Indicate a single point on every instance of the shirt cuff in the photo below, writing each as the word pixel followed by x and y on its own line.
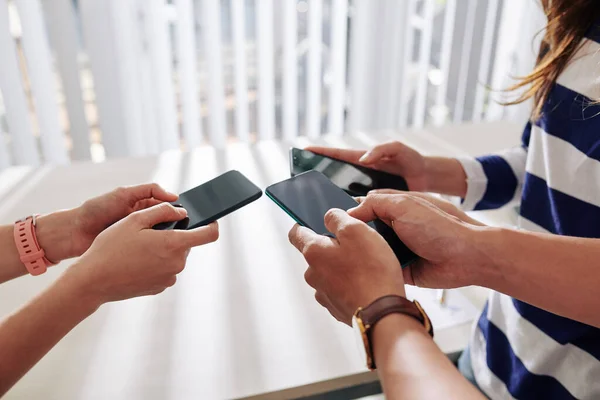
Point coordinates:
pixel 476 182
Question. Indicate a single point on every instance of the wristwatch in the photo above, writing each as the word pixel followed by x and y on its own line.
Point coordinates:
pixel 30 252
pixel 364 320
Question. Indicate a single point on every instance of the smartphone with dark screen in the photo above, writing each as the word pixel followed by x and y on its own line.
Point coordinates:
pixel 355 180
pixel 307 198
pixel 213 200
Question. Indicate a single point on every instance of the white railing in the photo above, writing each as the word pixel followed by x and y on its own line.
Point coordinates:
pixel 89 79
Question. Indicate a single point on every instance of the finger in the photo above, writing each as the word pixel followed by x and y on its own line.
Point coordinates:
pixel 351 156
pixel 171 281
pixel 163 212
pixel 359 199
pixel 198 236
pixel 146 203
pixel 379 152
pixel 337 220
pixel 382 206
pixel 147 191
pixel 390 191
pixel 311 277
pixel 300 236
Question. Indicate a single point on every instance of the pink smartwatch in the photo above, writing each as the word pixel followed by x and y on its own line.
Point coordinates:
pixel 30 252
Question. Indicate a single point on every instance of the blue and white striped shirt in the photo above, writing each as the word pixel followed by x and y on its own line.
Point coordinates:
pixel 518 350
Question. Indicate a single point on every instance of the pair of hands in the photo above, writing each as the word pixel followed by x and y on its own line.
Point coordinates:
pixel 358 266
pixel 122 256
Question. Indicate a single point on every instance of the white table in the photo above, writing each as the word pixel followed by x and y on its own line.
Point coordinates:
pixel 240 322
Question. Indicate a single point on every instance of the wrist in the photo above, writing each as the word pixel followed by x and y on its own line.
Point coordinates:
pixel 486 248
pixel 389 330
pixel 79 286
pixel 445 175
pixel 74 294
pixel 380 290
pixel 54 232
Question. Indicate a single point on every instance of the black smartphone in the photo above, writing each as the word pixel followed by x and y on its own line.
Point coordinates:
pixel 355 180
pixel 213 200
pixel 307 198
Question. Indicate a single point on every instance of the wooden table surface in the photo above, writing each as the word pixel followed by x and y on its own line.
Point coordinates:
pixel 240 322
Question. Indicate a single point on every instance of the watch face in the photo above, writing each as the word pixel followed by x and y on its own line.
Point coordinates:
pixel 359 335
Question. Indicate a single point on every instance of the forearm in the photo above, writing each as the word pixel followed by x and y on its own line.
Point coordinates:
pixel 54 233
pixel 409 362
pixel 27 335
pixel 445 176
pixel 541 268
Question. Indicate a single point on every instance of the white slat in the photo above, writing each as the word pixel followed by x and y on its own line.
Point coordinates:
pixel 188 84
pixel 5 159
pixel 486 53
pixel 107 30
pixel 266 76
pixel 63 35
pixel 424 57
pixel 161 56
pixel 313 91
pixel 467 43
pixel 337 93
pixel 125 28
pixel 147 87
pixel 42 80
pixel 24 147
pixel 241 79
pixel 406 85
pixel 216 96
pixel 391 26
pixel 446 51
pixel 290 70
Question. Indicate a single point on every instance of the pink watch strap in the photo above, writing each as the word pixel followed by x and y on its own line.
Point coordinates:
pixel 30 252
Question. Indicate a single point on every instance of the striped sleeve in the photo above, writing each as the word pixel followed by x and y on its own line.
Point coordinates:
pixel 496 180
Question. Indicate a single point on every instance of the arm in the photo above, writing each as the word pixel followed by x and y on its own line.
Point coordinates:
pixel 531 267
pixel 525 265
pixel 54 234
pixel 127 260
pixel 484 183
pixel 28 334
pixel 67 234
pixel 411 366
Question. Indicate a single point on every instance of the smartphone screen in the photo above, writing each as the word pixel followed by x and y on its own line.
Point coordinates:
pixel 307 198
pixel 354 179
pixel 215 199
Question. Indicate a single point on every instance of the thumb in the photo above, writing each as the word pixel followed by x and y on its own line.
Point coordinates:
pixel 163 212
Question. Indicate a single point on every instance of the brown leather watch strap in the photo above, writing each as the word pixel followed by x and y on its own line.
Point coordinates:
pixel 386 305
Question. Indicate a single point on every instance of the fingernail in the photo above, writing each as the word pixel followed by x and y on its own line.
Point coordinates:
pixel 365 157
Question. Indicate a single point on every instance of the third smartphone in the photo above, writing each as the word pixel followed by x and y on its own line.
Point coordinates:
pixel 307 198
pixel 355 180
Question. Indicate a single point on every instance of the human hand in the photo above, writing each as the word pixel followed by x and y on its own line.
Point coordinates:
pixel 351 270
pixel 130 259
pixel 440 203
pixel 393 157
pixel 97 214
pixel 448 246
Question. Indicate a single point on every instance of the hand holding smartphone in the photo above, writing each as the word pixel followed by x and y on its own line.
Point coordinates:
pixel 355 180
pixel 307 198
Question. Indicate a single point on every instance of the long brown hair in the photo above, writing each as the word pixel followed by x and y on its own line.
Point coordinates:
pixel 568 21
